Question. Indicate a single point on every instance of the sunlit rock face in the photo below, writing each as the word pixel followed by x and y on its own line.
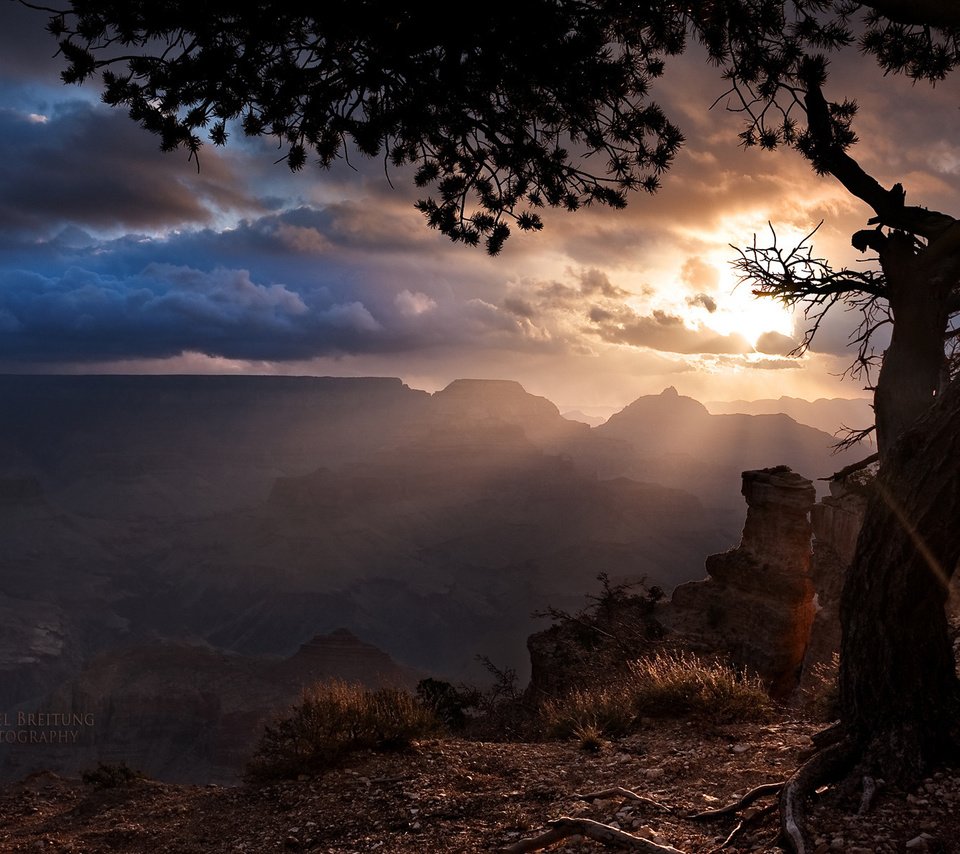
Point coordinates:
pixel 836 520
pixel 757 603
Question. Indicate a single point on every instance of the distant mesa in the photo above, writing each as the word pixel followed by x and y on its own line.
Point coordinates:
pixel 342 655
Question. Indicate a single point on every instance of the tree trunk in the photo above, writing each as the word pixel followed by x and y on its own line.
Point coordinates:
pixel 898 687
pixel 910 373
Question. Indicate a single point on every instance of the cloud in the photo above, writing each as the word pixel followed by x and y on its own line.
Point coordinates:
pixel 704 301
pixel 164 311
pixel 776 344
pixel 667 332
pixel 412 304
pixel 92 167
pixel 697 273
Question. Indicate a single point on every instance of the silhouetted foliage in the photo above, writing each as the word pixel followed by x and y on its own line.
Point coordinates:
pixel 616 625
pixel 448 702
pixel 111 776
pixel 531 104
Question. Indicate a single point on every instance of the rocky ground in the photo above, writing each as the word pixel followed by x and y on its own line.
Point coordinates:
pixel 461 797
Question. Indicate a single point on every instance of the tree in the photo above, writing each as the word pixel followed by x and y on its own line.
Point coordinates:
pixel 915 290
pixel 499 124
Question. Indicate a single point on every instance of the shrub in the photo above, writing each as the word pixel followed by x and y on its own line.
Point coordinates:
pixel 110 776
pixel 681 684
pixel 333 720
pixel 601 708
pixel 821 699
pixel 449 703
pixel 663 685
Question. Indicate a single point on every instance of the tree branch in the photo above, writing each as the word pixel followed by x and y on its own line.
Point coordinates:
pixel 828 155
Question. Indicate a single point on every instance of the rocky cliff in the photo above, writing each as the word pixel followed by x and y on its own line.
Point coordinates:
pixel 757 602
pixel 836 522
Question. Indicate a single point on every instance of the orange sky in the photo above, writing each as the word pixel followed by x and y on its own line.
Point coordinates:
pixel 118 258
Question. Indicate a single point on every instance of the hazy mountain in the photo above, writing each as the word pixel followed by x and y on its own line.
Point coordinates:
pixel 436 551
pixel 674 440
pixel 827 414
pixel 227 518
pixel 583 418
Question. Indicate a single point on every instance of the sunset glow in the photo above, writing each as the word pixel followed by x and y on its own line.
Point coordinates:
pixel 123 259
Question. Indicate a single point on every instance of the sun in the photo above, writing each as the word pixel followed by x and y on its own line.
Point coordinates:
pixel 738 311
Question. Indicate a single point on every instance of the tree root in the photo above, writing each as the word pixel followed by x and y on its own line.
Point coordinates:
pixel 748 798
pixel 747 820
pixel 564 827
pixel 825 766
pixel 620 792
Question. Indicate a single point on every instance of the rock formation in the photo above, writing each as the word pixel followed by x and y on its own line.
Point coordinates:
pixel 836 521
pixel 757 603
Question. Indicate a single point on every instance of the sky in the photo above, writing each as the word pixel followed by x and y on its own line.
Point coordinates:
pixel 115 257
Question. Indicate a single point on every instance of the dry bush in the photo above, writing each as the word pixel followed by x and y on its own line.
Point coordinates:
pixel 333 720
pixel 821 699
pixel 110 776
pixel 681 684
pixel 603 708
pixel 663 685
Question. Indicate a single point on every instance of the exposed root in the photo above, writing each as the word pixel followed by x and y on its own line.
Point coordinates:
pixel 823 767
pixel 831 735
pixel 752 817
pixel 620 792
pixel 748 798
pixel 562 828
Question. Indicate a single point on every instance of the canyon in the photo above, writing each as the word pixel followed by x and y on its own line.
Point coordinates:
pixel 158 528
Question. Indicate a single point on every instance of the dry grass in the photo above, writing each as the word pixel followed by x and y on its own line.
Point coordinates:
pixel 333 720
pixel 675 685
pixel 682 684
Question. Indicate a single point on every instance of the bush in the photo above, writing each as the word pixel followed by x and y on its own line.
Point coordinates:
pixel 821 699
pixel 333 720
pixel 602 708
pixel 681 684
pixel 448 703
pixel 109 776
pixel 675 685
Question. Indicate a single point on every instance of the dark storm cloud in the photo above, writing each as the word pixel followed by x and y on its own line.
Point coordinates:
pixel 93 167
pixel 164 311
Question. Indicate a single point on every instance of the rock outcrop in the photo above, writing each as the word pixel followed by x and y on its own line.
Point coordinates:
pixel 836 521
pixel 757 603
